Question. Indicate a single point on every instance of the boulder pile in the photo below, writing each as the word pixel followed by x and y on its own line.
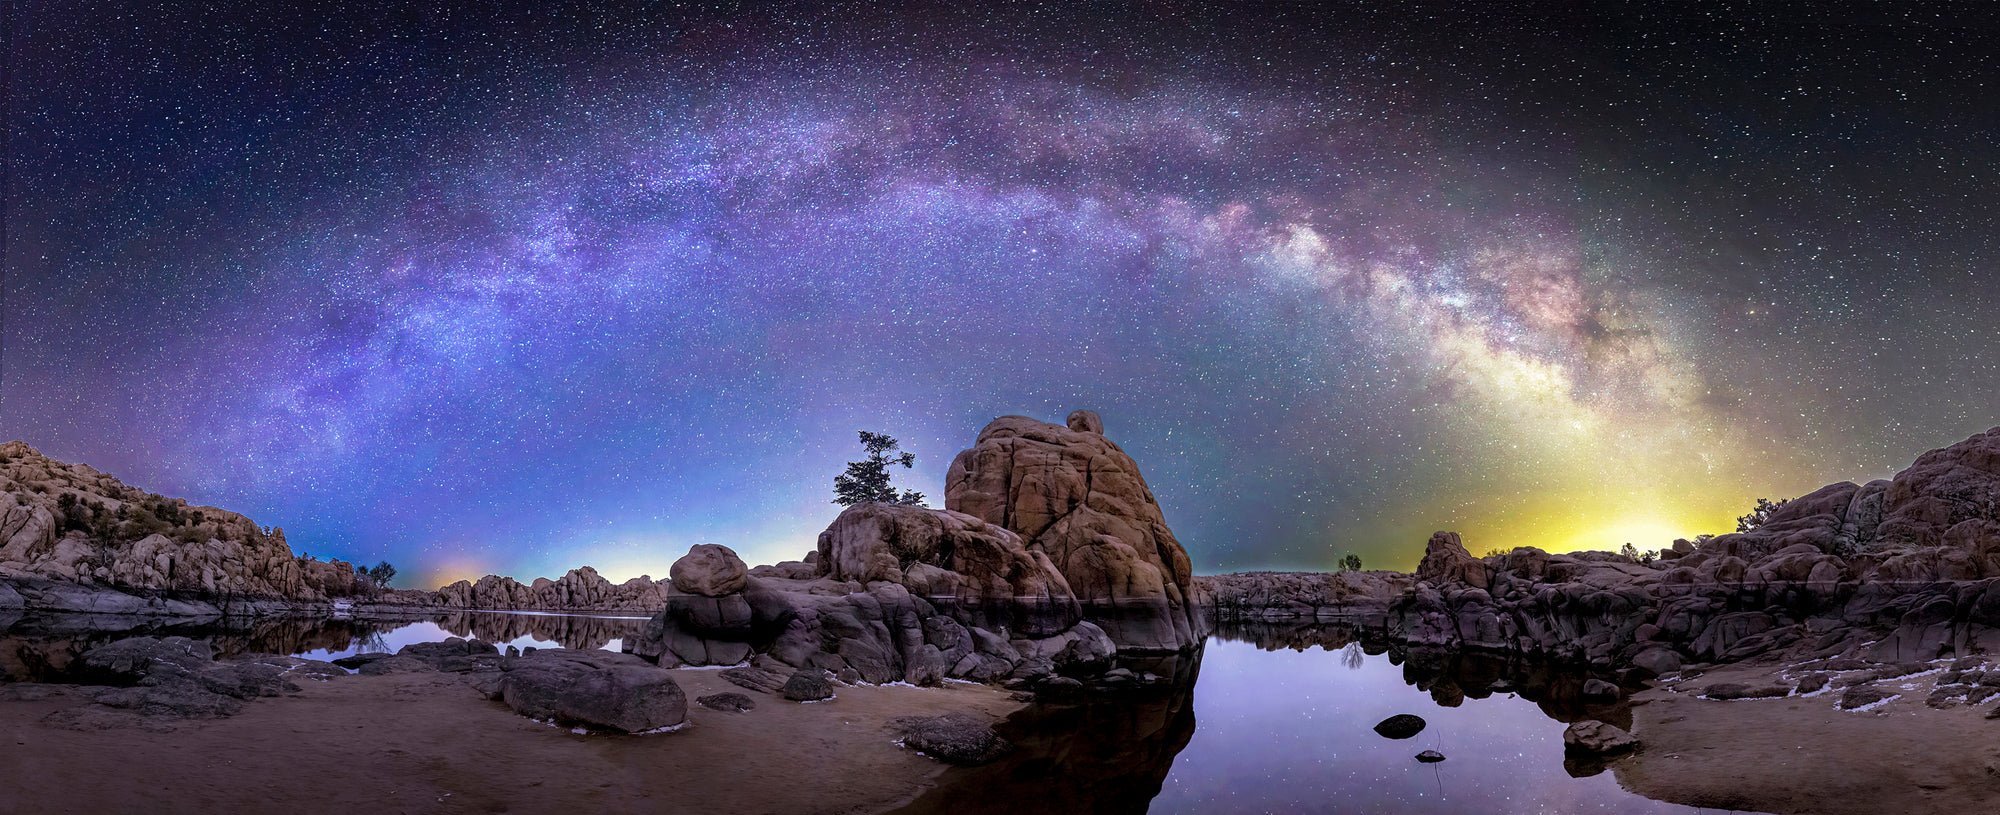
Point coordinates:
pixel 71 524
pixel 1902 570
pixel 1050 557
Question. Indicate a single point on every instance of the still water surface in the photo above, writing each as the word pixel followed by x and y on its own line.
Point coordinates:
pixel 1291 731
pixel 1263 719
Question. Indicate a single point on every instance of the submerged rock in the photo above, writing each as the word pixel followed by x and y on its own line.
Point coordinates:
pixel 1597 738
pixel 1400 726
pixel 1430 757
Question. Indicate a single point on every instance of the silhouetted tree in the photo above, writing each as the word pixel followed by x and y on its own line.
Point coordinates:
pixel 868 479
pixel 1351 563
pixel 381 573
pixel 1757 517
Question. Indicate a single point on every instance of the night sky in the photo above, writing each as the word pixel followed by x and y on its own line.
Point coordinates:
pixel 518 287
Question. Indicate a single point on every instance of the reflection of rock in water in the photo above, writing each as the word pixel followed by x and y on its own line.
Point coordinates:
pixel 570 632
pixel 1103 754
pixel 41 646
pixel 1450 676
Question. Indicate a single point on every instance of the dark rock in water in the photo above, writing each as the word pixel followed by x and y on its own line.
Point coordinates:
pixel 1737 690
pixel 593 688
pixel 358 660
pixel 1430 756
pixel 1862 695
pixel 1598 690
pixel 1811 683
pixel 808 685
pixel 1400 726
pixel 1060 686
pixel 727 702
pixel 1993 714
pixel 1597 738
pixel 954 738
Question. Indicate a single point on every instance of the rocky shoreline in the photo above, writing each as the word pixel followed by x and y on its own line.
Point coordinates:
pixel 1050 570
pixel 1897 571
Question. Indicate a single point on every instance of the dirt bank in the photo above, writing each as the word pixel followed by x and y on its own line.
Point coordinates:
pixel 1804 754
pixel 429 743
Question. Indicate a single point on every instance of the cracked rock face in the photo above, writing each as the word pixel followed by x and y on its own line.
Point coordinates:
pixel 980 569
pixel 71 523
pixel 1072 493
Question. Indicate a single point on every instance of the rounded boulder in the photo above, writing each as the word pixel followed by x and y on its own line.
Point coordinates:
pixel 710 570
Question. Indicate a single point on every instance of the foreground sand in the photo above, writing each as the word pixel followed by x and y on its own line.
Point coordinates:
pixel 429 743
pixel 1801 754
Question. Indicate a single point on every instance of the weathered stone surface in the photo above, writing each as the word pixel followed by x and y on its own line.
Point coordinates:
pixel 727 702
pixel 709 570
pixel 395 665
pixel 756 679
pixel 980 569
pixel 1446 561
pixel 1862 696
pixel 808 685
pixel 1736 690
pixel 128 661
pixel 178 699
pixel 1076 496
pixel 1597 738
pixel 580 589
pixel 954 738
pixel 139 540
pixel 592 688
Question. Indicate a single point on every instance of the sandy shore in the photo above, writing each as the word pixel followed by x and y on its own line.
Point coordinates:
pixel 429 743
pixel 1802 754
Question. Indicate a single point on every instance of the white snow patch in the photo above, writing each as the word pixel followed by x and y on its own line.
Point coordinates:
pixel 1872 705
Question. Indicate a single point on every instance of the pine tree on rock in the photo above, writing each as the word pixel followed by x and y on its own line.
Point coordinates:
pixel 868 479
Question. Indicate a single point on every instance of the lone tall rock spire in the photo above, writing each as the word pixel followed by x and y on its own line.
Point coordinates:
pixel 1075 495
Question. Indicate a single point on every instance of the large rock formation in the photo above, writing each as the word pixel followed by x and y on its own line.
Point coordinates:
pixel 1075 495
pixel 580 589
pixel 986 589
pixel 1905 569
pixel 953 560
pixel 70 523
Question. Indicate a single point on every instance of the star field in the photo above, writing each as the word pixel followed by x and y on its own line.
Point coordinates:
pixel 515 288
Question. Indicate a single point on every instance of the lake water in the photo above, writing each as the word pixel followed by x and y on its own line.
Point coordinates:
pixel 1263 719
pixel 1280 720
